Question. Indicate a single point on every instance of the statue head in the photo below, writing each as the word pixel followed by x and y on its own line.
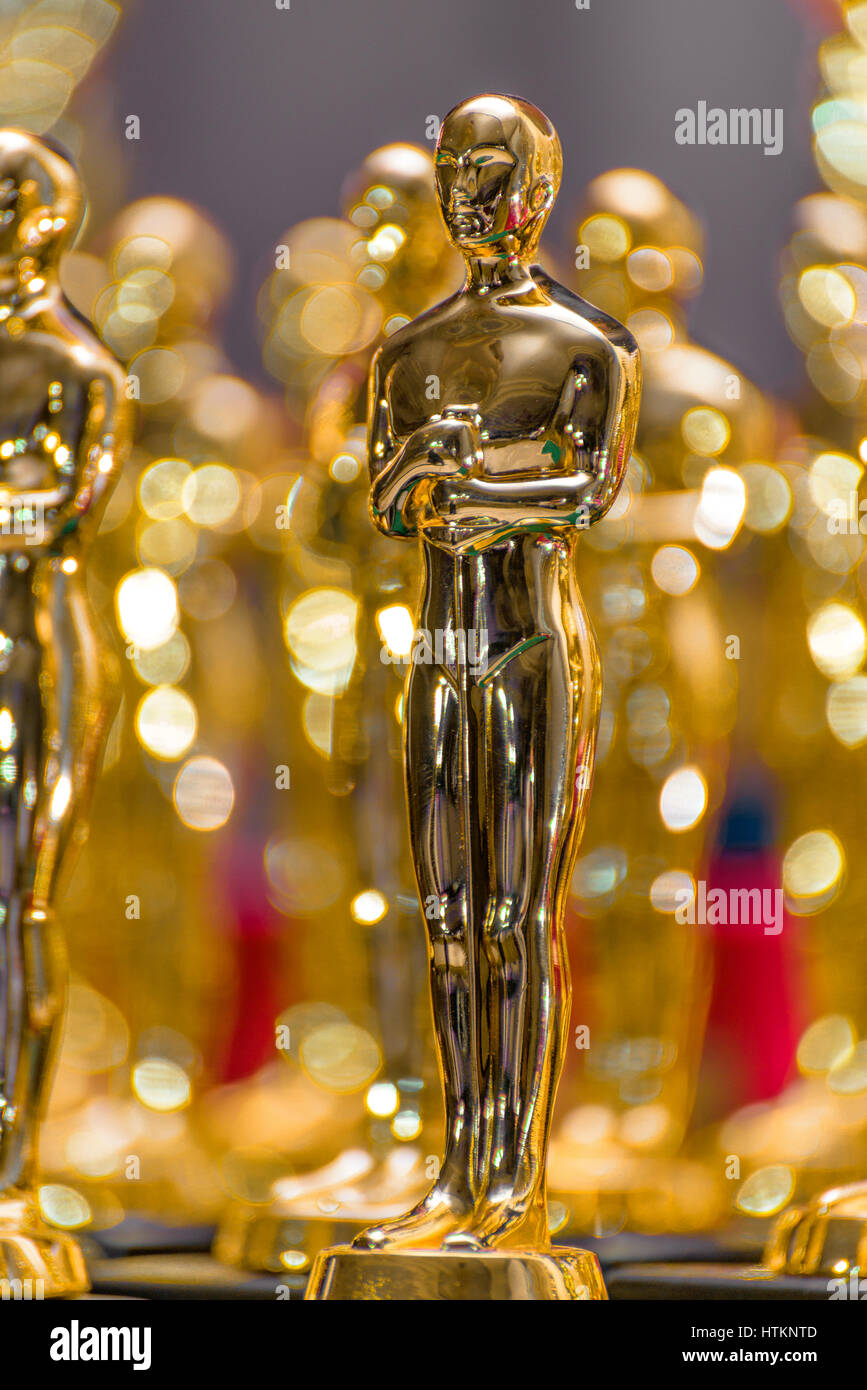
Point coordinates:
pixel 498 168
pixel 41 200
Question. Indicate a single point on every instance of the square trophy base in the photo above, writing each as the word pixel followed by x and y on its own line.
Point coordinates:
pixel 452 1277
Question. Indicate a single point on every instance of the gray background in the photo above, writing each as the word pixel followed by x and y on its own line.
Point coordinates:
pixel 257 114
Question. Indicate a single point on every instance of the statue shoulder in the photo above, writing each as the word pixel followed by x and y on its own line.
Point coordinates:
pixel 403 343
pixel 102 379
pixel 76 338
pixel 611 336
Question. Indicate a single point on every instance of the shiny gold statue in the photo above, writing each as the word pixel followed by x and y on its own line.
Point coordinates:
pixel 64 426
pixel 500 422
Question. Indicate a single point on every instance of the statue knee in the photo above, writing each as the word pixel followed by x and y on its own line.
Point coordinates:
pixel 503 933
pixel 44 970
pixel 447 931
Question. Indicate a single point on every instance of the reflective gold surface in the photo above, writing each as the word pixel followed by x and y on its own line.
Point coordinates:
pixel 65 426
pixel 500 423
pixel 174 1061
pixel 827 1235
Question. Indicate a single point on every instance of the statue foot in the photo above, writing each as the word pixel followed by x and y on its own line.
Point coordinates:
pixel 514 1223
pixel 423 1227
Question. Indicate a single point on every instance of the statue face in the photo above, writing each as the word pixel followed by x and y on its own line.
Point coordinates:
pixel 481 183
pixel 492 176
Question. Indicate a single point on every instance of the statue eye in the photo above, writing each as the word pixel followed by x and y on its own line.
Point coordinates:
pixel 483 159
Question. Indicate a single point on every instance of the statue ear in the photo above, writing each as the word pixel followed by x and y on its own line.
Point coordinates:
pixel 541 195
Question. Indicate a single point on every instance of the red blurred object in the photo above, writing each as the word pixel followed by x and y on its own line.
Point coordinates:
pixel 250 1040
pixel 259 974
pixel 828 13
pixel 757 1005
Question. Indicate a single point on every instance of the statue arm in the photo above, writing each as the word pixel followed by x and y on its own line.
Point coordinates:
pixel 608 463
pixel 585 492
pixel 439 448
pixel 105 443
pixel 100 449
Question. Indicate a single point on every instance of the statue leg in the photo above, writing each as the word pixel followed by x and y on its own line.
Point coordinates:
pixel 53 706
pixel 535 807
pixel 434 789
pixel 35 1012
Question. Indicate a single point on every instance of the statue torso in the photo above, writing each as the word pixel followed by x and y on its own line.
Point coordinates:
pixel 43 411
pixel 510 355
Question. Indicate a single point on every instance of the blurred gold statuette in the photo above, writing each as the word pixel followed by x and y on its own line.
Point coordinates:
pixel 500 424
pixel 397 263
pixel 815 1138
pixel 64 428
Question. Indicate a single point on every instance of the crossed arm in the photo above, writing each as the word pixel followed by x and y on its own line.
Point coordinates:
pixel 595 433
pixel 98 445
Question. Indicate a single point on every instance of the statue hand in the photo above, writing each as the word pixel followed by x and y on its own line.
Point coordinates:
pixel 443 496
pixel 453 446
pixel 465 422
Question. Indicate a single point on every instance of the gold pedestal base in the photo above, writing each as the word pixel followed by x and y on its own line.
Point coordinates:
pixel 602 1190
pixel 272 1240
pixel 827 1235
pixel 326 1207
pixel 36 1260
pixel 446 1277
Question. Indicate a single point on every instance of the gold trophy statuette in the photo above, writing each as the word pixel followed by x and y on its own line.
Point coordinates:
pixel 500 423
pixel 64 427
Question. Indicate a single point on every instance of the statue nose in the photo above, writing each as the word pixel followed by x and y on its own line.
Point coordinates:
pixel 465 184
pixel 463 201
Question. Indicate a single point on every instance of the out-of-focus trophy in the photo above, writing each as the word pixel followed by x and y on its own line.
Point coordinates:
pixel 65 427
pixel 132 1126
pixel 814 1146
pixel 500 423
pixel 653 576
pixel 346 285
